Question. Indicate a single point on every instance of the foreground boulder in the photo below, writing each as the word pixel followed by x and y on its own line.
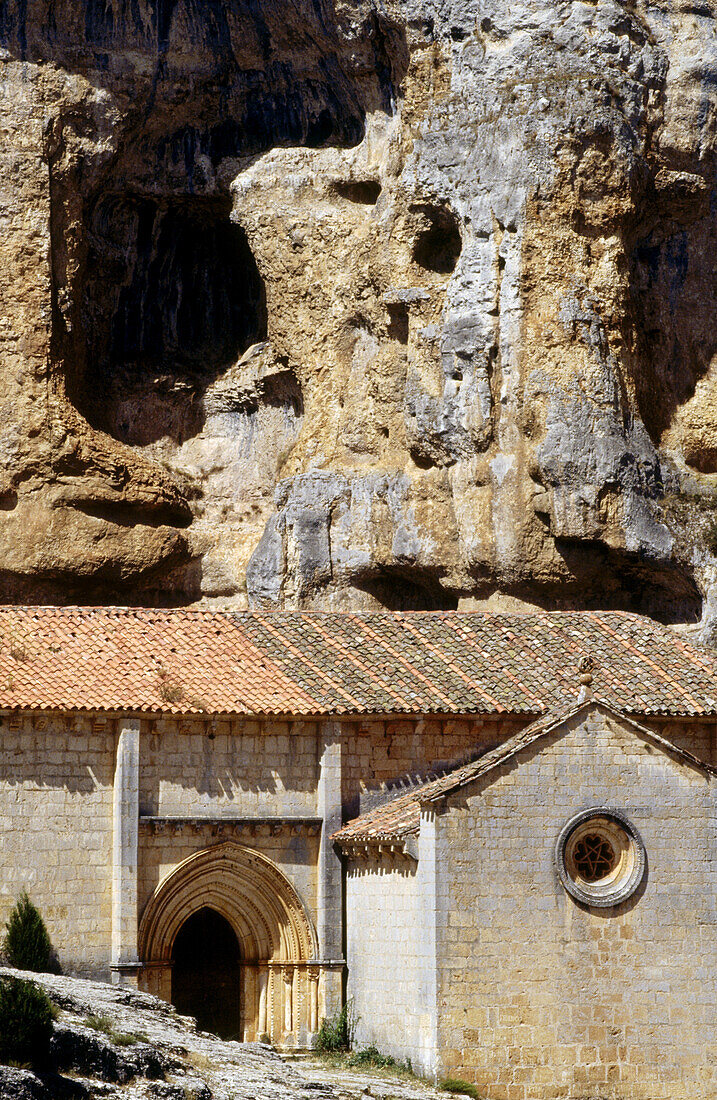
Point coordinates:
pixel 111 1042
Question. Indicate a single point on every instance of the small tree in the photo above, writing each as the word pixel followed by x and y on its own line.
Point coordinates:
pixel 25 1022
pixel 27 943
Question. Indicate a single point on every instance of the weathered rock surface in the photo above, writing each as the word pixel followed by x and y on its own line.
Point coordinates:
pixel 160 1055
pixel 356 305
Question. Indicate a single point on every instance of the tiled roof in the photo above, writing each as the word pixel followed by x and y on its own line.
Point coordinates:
pixel 401 816
pixel 120 659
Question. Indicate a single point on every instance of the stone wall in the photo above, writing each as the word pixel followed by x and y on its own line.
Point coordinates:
pixel 543 998
pixel 382 953
pixel 382 755
pixel 56 779
pixel 698 736
pixel 292 848
pixel 56 788
pixel 229 768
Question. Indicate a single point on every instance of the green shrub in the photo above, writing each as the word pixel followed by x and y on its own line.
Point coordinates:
pixel 459 1086
pixel 26 1017
pixel 27 943
pixel 336 1033
pixel 372 1056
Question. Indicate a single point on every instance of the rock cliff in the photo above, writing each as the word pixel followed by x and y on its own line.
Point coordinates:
pixel 330 304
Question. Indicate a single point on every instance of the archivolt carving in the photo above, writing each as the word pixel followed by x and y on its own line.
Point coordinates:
pixel 247 889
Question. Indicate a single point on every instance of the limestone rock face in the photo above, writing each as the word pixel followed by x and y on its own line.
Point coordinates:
pixel 113 1043
pixel 357 305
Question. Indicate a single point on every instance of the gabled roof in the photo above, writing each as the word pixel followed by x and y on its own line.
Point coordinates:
pixel 401 816
pixel 313 663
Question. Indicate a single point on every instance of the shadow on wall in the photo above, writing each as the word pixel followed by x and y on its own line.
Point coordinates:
pixel 27 767
pixel 229 768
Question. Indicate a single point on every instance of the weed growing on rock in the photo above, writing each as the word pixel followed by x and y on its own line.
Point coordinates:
pixel 460 1087
pixel 27 942
pixel 119 1038
pixel 26 1017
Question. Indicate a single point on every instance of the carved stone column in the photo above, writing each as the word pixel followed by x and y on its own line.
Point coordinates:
pixel 263 1013
pixel 313 973
pixel 288 976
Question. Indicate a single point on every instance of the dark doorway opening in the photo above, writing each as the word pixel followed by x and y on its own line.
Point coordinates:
pixel 205 973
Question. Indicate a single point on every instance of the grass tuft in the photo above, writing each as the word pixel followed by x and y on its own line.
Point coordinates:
pixel 119 1038
pixel 371 1056
pixel 459 1087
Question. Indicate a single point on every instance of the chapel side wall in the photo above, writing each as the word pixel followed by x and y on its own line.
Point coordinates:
pixel 56 778
pixel 236 767
pixel 211 773
pixel 381 755
pixel 544 998
pixel 382 954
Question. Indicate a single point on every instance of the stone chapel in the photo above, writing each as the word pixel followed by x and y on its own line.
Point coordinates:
pixel 495 833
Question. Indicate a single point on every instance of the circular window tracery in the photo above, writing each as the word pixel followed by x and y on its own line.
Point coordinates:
pixel 594 857
pixel 600 857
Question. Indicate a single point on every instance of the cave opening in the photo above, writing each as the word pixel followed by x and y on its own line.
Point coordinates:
pixel 173 299
pixel 437 246
pixel 361 192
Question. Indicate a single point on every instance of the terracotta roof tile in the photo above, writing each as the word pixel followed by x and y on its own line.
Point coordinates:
pixel 128 659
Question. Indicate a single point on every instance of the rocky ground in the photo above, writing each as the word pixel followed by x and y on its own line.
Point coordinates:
pixel 114 1042
pixel 350 1083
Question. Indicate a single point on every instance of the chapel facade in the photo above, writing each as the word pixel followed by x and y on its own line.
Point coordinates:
pixel 254 815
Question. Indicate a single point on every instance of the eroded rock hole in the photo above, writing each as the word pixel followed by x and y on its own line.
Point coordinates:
pixel 174 299
pixel 363 192
pixel 438 245
pixel 206 973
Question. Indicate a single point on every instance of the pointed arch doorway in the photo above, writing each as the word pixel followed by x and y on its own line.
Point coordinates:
pixel 206 973
pixel 277 988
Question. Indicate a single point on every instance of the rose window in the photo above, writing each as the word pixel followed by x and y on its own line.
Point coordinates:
pixel 594 857
pixel 600 858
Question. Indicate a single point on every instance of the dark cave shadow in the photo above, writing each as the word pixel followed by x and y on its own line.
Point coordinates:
pixel 673 295
pixel 173 584
pixel 609 579
pixel 406 590
pixel 176 298
pixel 217 79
